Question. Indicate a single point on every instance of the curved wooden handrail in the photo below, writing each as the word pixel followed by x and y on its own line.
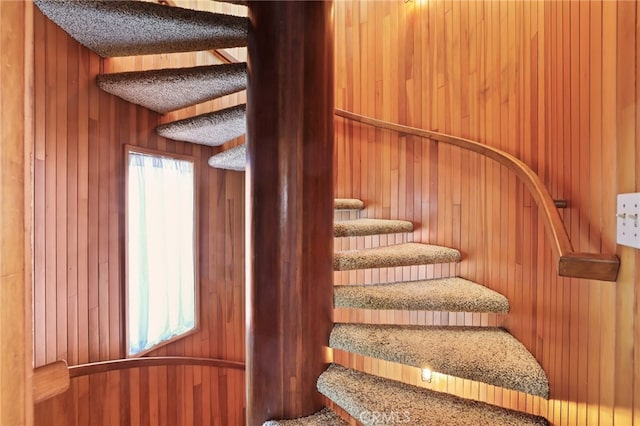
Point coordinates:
pixel 54 378
pixel 156 361
pixel 594 266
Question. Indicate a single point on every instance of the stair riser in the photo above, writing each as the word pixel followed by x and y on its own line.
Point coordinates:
pixel 370 316
pixel 371 241
pixel 346 214
pixel 395 274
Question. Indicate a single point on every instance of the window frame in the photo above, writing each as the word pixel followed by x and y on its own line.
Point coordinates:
pixel 128 148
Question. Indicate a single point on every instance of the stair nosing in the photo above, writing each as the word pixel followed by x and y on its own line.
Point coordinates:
pixel 170 89
pixel 393 256
pixel 366 227
pixel 427 295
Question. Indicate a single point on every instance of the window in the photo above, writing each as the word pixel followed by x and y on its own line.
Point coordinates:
pixel 160 232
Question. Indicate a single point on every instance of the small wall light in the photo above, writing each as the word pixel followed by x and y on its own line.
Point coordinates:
pixel 426 375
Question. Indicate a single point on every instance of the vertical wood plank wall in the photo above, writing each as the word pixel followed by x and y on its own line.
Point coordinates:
pixel 79 246
pixel 554 83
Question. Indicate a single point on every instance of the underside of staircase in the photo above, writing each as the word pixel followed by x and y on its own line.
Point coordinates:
pixel 482 354
pixel 127 28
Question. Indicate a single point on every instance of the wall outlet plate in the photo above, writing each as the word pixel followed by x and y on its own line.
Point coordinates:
pixel 628 220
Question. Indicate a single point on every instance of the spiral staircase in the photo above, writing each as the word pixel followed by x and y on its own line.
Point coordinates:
pixel 482 354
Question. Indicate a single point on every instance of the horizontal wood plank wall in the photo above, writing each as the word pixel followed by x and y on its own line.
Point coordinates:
pixel 79 246
pixel 554 83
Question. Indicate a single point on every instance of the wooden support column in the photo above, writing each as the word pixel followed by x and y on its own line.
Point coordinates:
pixel 289 206
pixel 16 139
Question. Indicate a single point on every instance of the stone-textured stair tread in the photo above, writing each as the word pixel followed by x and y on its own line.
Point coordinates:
pixel 363 395
pixel 128 28
pixel 213 129
pixel 394 255
pixel 231 159
pixel 324 417
pixel 446 294
pixel 484 354
pixel 347 204
pixel 362 227
pixel 174 88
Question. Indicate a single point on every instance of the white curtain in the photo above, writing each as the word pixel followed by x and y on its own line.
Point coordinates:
pixel 160 251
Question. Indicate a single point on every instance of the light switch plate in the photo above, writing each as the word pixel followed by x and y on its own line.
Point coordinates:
pixel 628 220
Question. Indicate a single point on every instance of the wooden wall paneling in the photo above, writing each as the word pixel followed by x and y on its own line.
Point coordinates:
pixel 480 246
pixel 92 248
pixel 72 202
pixel 572 167
pixel 105 138
pixel 508 141
pixel 74 206
pixel 81 389
pixel 16 133
pixel 466 60
pixel 585 215
pixel 553 112
pixel 544 81
pixel 39 292
pixel 563 166
pixel 626 182
pixel 492 129
pixel 526 131
pixel 78 245
pixel 470 238
pixel 542 291
pixel 50 217
pixel 636 331
pixel 59 204
pixel 423 179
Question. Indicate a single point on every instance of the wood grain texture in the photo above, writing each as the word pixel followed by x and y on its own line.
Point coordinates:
pixel 595 266
pixel 131 391
pixel 290 207
pixel 50 380
pixel 555 84
pixel 513 75
pixel 16 136
pixel 80 134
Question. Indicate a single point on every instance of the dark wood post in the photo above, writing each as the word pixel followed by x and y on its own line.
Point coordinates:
pixel 289 205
